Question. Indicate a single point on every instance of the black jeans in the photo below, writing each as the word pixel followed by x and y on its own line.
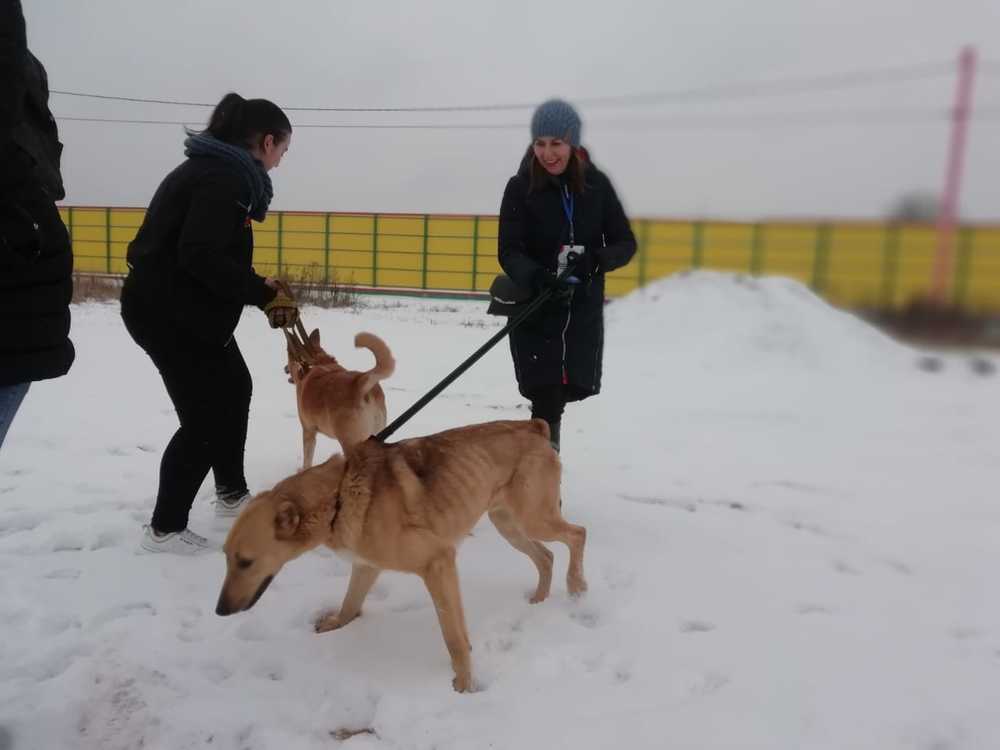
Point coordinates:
pixel 548 403
pixel 210 388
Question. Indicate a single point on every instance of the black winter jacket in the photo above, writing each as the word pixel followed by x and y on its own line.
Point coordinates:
pixel 36 261
pixel 190 264
pixel 564 341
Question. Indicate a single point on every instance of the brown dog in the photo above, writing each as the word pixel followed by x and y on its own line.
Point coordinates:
pixel 346 405
pixel 406 507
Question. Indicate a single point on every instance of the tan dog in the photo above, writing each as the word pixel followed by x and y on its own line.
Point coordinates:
pixel 406 507
pixel 346 405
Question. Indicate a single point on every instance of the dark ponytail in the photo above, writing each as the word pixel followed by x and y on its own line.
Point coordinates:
pixel 245 122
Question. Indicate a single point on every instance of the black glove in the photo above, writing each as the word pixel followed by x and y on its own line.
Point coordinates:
pixel 543 279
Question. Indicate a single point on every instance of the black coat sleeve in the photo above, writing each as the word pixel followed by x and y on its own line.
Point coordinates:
pixel 512 252
pixel 13 55
pixel 213 216
pixel 619 241
pixel 14 163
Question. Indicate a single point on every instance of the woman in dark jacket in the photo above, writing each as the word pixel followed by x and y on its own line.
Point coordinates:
pixel 190 275
pixel 559 202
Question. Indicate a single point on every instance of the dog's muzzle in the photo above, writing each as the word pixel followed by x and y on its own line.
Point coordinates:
pixel 222 608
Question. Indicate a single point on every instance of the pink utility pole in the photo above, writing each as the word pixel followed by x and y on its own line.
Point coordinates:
pixel 944 258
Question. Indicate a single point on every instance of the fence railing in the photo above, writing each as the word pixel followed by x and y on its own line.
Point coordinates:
pixel 871 265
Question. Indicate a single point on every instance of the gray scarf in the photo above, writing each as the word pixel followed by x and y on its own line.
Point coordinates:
pixel 252 170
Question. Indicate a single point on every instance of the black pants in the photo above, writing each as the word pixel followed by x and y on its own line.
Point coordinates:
pixel 548 403
pixel 210 389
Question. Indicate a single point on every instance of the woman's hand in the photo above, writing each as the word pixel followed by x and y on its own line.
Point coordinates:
pixel 283 310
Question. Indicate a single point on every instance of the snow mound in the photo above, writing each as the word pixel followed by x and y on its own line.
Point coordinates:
pixel 732 322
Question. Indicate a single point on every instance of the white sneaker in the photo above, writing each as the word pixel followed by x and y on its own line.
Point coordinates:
pixel 231 508
pixel 178 542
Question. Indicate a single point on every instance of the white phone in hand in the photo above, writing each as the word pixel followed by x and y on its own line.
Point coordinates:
pixel 564 258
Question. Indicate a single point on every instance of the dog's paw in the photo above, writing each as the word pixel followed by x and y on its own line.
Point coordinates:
pixel 463 684
pixel 329 621
pixel 577 586
pixel 332 620
pixel 539 596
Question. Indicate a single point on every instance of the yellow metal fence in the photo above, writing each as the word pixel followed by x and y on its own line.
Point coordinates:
pixel 868 265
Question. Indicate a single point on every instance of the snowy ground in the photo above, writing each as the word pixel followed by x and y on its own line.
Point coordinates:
pixel 794 535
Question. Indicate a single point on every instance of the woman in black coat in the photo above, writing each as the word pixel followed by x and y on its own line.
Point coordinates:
pixel 190 275
pixel 559 202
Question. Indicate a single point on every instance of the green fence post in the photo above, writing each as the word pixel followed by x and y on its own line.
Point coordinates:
pixel 643 251
pixel 696 244
pixel 475 252
pixel 423 276
pixel 890 265
pixel 374 249
pixel 756 249
pixel 326 250
pixel 281 216
pixel 107 237
pixel 962 267
pixel 821 258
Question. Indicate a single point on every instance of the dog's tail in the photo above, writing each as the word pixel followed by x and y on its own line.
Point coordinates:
pixel 385 365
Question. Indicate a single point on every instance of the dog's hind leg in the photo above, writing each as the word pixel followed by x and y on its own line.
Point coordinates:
pixel 540 555
pixel 308 447
pixel 362 579
pixel 441 579
pixel 556 529
pixel 533 499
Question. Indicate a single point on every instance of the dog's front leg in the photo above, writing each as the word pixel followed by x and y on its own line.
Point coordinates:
pixel 308 447
pixel 363 577
pixel 441 579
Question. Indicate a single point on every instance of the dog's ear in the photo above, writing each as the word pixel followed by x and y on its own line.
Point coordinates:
pixel 287 520
pixel 314 337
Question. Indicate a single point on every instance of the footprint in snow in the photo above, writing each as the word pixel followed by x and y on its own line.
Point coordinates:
pixel 54 624
pixel 845 568
pixel 121 611
pixel 11 523
pixel 216 672
pixel 808 608
pixel 697 626
pixel 269 670
pixel 587 617
pixel 69 574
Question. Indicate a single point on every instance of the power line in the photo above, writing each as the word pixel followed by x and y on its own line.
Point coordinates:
pixel 815 117
pixel 745 89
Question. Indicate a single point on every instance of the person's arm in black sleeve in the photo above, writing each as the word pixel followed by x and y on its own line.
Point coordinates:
pixel 14 162
pixel 619 240
pixel 214 216
pixel 512 253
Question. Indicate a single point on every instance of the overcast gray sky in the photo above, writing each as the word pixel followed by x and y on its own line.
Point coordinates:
pixel 685 157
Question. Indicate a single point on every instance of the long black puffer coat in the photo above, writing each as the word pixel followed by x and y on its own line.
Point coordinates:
pixel 563 343
pixel 36 261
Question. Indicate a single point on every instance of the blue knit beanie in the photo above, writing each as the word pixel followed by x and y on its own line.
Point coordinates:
pixel 556 119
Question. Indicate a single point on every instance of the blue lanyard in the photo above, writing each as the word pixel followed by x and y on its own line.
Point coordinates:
pixel 567 201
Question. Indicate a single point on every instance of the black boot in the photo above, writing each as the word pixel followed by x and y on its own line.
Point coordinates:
pixel 554 434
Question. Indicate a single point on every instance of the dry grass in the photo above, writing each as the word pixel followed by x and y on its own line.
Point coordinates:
pixel 89 287
pixel 309 288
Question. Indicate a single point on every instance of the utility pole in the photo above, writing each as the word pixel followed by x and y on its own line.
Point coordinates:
pixel 944 257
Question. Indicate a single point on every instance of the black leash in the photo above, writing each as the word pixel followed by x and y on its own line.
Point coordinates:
pixel 514 322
